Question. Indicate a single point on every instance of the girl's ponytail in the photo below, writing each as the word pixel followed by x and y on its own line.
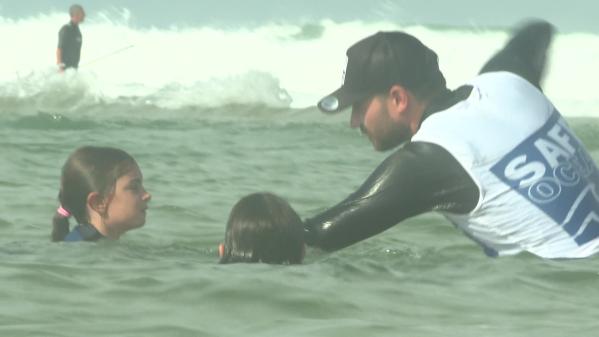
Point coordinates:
pixel 60 224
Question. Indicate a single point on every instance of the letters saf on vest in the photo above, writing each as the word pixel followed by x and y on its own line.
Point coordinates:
pixel 552 170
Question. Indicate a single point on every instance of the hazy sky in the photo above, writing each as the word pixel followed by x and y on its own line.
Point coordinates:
pixel 568 16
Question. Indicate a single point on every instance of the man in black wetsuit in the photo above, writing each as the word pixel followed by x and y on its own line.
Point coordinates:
pixel 68 52
pixel 397 93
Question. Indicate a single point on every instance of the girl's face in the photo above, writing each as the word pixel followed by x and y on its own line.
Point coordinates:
pixel 128 204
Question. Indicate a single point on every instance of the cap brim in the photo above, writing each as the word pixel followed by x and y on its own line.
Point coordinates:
pixel 339 100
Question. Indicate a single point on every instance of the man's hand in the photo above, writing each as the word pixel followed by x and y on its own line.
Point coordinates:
pixel 59 62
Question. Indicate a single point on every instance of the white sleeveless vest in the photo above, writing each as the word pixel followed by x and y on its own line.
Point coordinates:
pixel 538 185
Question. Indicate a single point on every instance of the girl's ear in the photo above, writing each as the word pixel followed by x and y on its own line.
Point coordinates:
pixel 221 250
pixel 96 203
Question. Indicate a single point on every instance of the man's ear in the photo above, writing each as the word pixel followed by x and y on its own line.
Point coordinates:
pixel 95 202
pixel 398 100
pixel 221 250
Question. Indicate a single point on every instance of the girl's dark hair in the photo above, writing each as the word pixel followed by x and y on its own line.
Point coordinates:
pixel 262 227
pixel 88 169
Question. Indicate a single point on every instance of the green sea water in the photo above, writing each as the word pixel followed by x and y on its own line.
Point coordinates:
pixel 420 278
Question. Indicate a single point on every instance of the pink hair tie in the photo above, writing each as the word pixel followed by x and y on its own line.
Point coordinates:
pixel 63 212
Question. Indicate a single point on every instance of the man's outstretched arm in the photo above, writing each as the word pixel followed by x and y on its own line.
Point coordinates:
pixel 417 178
pixel 525 54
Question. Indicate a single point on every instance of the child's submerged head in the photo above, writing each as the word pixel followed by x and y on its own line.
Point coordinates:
pixel 101 186
pixel 262 227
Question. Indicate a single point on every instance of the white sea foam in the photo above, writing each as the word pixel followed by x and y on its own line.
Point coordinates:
pixel 276 65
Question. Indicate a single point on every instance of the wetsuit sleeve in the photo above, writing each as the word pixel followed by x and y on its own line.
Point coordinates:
pixel 62 37
pixel 525 53
pixel 417 178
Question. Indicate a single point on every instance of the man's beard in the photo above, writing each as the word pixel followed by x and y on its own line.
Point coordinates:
pixel 399 135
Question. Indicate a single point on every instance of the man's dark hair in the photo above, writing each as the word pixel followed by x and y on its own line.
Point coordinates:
pixel 74 9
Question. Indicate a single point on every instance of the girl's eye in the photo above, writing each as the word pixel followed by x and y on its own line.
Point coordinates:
pixel 135 186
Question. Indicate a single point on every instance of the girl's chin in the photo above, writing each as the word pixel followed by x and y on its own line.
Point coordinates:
pixel 139 223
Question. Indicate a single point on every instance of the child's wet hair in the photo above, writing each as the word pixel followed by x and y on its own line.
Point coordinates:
pixel 88 169
pixel 262 227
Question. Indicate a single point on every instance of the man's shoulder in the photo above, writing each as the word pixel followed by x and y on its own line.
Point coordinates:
pixel 415 155
pixel 66 27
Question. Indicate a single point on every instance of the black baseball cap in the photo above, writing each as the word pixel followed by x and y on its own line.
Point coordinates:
pixel 376 63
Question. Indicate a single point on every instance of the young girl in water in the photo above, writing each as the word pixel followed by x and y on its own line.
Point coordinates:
pixel 102 188
pixel 263 228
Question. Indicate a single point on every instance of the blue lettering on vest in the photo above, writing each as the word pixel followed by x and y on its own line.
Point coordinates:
pixel 553 171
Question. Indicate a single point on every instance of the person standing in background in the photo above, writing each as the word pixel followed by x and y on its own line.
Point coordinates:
pixel 68 52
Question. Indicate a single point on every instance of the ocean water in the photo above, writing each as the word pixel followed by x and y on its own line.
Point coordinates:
pixel 212 114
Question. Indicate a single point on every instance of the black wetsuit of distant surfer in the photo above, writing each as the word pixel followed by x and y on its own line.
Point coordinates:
pixel 69 42
pixel 421 177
